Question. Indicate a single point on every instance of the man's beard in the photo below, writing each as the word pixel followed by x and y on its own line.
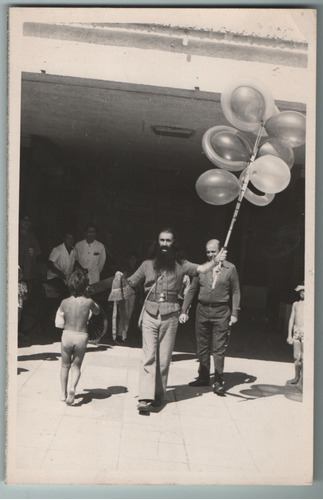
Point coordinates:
pixel 165 261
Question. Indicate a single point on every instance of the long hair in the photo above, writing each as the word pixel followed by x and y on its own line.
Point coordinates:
pixel 177 251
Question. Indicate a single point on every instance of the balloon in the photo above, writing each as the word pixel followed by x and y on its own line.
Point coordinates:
pixel 256 199
pixel 247 103
pixel 227 148
pixel 264 133
pixel 289 126
pixel 217 187
pixel 277 147
pixel 269 174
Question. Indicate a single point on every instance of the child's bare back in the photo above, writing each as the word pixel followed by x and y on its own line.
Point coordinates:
pixel 76 311
pixel 299 314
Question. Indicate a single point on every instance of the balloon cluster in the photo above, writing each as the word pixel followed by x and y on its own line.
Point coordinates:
pixel 249 106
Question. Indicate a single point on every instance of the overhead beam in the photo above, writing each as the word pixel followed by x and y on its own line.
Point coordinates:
pixel 189 42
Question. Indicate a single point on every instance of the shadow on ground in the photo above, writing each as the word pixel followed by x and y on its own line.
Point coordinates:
pixel 48 356
pixel 20 370
pixel 266 390
pixel 90 394
pixel 232 379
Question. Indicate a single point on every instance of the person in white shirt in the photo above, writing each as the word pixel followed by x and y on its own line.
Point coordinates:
pixel 61 264
pixel 90 255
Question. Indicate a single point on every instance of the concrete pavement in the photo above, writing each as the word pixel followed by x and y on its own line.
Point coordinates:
pixel 249 436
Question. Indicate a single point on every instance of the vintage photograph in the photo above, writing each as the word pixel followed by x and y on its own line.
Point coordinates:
pixel 161 197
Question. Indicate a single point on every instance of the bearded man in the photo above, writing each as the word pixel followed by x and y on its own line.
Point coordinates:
pixel 162 276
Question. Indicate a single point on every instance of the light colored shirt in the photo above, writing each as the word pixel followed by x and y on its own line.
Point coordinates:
pixel 92 257
pixel 63 260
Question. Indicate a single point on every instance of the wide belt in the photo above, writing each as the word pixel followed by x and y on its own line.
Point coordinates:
pixel 213 304
pixel 163 297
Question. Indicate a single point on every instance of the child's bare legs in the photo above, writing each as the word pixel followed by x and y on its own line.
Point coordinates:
pixel 78 356
pixel 298 362
pixel 73 350
pixel 300 380
pixel 66 353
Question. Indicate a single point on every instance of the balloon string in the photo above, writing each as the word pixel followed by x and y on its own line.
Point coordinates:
pixel 244 185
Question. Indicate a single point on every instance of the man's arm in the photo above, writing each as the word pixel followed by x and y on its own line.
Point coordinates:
pixel 235 291
pixel 55 269
pixel 188 299
pixel 137 277
pixel 102 258
pixel 190 294
pixel 51 263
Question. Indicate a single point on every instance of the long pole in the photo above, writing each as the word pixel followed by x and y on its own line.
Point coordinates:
pixel 244 185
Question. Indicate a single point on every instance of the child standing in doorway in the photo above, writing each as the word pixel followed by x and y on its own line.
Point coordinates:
pixel 296 336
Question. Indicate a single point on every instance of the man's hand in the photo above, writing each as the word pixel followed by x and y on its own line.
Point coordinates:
pixel 118 274
pixel 233 320
pixel 289 339
pixel 183 318
pixel 221 256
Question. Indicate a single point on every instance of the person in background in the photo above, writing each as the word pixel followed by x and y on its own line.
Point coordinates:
pixel 90 255
pixel 29 251
pixel 296 336
pixel 73 315
pixel 216 289
pixel 162 276
pixel 61 264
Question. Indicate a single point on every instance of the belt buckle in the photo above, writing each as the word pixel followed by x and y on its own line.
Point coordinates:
pixel 162 297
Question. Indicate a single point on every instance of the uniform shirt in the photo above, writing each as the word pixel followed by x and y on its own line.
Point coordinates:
pixel 226 288
pixel 63 260
pixel 172 281
pixel 92 257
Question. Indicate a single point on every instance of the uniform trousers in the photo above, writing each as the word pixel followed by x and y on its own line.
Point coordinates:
pixel 212 334
pixel 158 338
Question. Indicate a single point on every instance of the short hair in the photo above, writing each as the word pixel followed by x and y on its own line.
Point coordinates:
pixel 87 227
pixel 68 233
pixel 78 283
pixel 214 240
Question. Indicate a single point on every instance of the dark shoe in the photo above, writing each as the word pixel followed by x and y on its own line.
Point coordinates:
pixel 218 388
pixel 293 381
pixel 143 408
pixel 119 340
pixel 157 402
pixel 199 383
